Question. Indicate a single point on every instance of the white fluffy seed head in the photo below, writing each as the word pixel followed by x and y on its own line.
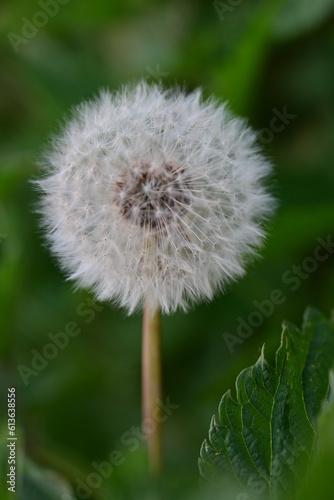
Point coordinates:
pixel 151 195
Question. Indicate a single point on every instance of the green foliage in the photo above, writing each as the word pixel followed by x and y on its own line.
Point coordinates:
pixel 298 16
pixel 265 437
pixel 262 55
pixel 32 482
pixel 42 484
pixel 318 483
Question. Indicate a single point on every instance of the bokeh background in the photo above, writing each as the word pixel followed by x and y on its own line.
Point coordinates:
pixel 264 57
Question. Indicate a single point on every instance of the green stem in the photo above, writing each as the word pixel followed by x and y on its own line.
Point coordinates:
pixel 151 387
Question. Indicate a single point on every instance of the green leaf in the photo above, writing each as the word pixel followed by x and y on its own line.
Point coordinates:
pixel 319 480
pixel 42 484
pixel 266 436
pixel 237 77
pixel 32 482
pixel 300 16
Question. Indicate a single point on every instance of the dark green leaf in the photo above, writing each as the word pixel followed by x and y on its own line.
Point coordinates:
pixel 265 437
pixel 42 484
pixel 319 481
pixel 298 16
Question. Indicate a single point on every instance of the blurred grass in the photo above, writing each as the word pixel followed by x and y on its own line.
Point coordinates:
pixel 261 56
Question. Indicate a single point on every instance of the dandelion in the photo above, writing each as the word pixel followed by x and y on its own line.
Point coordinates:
pixel 154 199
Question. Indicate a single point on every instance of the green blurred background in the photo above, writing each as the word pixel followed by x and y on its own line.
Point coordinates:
pixel 261 56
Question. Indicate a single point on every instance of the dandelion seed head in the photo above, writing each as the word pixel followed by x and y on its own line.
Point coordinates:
pixel 152 195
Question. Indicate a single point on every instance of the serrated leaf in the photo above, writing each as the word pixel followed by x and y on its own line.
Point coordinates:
pixel 265 437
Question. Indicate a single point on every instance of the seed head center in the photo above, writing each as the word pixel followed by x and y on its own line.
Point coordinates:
pixel 152 197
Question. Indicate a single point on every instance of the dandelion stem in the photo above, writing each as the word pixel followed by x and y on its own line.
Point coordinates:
pixel 151 387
